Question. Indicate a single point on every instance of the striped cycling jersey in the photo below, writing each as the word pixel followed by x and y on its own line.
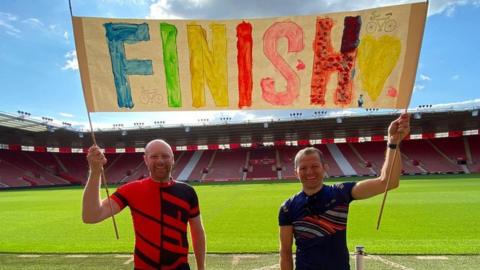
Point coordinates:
pixel 319 226
pixel 160 213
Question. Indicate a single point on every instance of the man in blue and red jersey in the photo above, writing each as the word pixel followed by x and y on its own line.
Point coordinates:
pixel 161 208
pixel 316 217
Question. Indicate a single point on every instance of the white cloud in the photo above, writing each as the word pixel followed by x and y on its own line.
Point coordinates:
pixel 13 34
pixel 72 62
pixel 7 16
pixel 7 21
pixel 455 77
pixel 69 115
pixel 12 26
pixel 51 30
pixel 462 104
pixel 215 9
pixel 162 10
pixel 418 87
pixel 243 116
pixel 58 31
pixel 424 77
pixel 446 6
pixel 34 22
pixel 127 2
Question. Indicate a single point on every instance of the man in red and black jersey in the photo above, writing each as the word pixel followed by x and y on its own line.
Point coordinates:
pixel 161 208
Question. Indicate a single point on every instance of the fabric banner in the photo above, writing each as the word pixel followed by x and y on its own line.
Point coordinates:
pixel 364 58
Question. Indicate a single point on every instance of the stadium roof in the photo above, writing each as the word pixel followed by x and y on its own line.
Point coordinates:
pixel 16 130
pixel 22 122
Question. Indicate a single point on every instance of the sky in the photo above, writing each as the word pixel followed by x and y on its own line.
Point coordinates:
pixel 39 71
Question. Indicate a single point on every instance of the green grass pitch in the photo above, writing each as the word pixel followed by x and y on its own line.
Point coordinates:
pixel 426 215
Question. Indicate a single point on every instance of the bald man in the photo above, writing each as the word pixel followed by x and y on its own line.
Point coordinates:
pixel 161 209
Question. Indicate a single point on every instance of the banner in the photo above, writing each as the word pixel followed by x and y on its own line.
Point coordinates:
pixel 354 59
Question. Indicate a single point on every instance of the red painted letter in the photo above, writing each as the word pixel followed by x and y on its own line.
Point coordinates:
pixel 244 62
pixel 294 35
pixel 326 61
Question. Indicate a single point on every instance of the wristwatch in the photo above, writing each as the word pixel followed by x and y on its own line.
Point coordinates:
pixel 392 145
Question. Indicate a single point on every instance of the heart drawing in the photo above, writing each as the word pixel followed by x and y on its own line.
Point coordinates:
pixel 376 59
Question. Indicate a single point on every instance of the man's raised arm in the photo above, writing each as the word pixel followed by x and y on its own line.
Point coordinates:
pixel 94 209
pixel 397 130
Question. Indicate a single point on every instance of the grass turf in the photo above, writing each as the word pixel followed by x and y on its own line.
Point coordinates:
pixel 426 215
pixel 230 261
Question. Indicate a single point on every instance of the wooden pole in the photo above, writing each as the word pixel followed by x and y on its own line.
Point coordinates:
pixel 104 180
pixel 395 153
pixel 103 177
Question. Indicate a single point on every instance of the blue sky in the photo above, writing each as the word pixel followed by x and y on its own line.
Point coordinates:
pixel 38 71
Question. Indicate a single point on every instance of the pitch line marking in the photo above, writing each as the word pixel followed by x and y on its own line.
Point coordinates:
pixel 236 258
pixel 390 263
pixel 123 256
pixel 366 257
pixel 29 256
pixel 76 256
pixel 432 257
pixel 275 266
pixel 128 261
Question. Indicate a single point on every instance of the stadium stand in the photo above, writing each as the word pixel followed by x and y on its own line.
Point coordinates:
pixel 182 159
pixel 262 163
pixel 139 172
pixel 46 158
pixel 76 166
pixel 11 176
pixel 474 149
pixel 333 168
pixel 431 160
pixel 373 153
pixel 123 165
pixel 451 148
pixel 355 160
pixel 202 165
pixel 32 171
pixel 287 157
pixel 227 165
pixel 441 155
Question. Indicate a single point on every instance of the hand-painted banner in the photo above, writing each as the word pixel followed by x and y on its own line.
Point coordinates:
pixel 364 59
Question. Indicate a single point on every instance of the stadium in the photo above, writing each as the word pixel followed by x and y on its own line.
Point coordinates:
pixel 242 172
pixel 441 142
pixel 238 88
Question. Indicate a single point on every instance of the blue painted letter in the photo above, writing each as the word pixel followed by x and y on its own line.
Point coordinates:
pixel 117 35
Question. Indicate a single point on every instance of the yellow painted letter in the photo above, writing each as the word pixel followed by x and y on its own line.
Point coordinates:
pixel 208 64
